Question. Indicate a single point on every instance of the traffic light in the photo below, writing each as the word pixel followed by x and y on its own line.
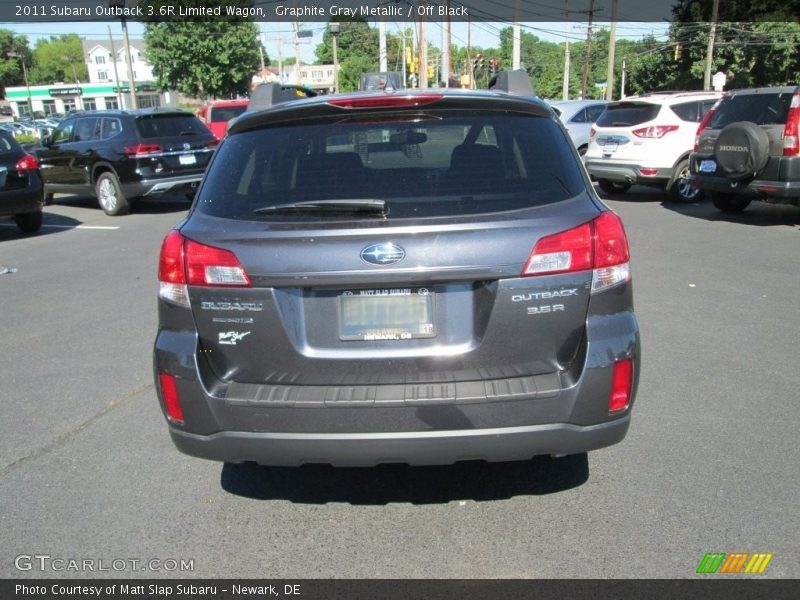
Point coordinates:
pixel 494 66
pixel 678 50
pixel 430 71
pixel 412 66
pixel 408 54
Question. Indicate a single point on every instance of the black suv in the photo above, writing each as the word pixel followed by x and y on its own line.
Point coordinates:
pixel 119 156
pixel 416 277
pixel 748 148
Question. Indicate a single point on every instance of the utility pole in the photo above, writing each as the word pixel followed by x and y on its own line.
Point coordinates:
pixel 565 83
pixel 423 52
pixel 296 53
pixel 515 48
pixel 710 50
pixel 470 70
pixel 114 62
pixel 132 89
pixel 612 42
pixel 622 85
pixel 446 49
pixel 382 46
pixel 588 53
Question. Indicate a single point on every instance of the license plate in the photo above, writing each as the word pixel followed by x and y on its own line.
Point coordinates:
pixel 386 314
pixel 187 159
pixel 609 147
pixel 707 166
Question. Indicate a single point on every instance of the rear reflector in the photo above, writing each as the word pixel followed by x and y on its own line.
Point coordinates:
pixel 169 392
pixel 185 262
pixel 648 172
pixel 621 383
pixel 600 245
pixel 386 101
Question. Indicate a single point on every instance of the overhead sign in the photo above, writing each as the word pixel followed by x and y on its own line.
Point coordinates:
pixel 69 91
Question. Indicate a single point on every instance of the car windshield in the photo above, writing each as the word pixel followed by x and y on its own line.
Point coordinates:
pixel 225 113
pixel 437 164
pixel 169 125
pixel 7 143
pixel 764 109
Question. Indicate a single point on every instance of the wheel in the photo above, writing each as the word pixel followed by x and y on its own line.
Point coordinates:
pixel 679 188
pixel 730 203
pixel 110 196
pixel 29 222
pixel 48 199
pixel 613 187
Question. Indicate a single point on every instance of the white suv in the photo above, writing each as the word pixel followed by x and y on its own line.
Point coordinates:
pixel 647 140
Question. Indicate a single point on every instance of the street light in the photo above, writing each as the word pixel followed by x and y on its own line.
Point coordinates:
pixel 25 75
pixel 120 4
pixel 334 29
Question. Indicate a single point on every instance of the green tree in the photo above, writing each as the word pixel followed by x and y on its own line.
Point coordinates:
pixel 207 59
pixel 59 58
pixel 11 67
pixel 356 49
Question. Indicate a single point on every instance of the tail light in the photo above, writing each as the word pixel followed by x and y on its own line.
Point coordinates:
pixel 141 150
pixel 654 131
pixel 592 132
pixel 600 245
pixel 169 392
pixel 386 101
pixel 214 143
pixel 621 384
pixel 185 262
pixel 27 163
pixel 703 124
pixel 791 133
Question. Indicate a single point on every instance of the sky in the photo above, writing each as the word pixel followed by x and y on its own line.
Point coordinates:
pixel 483 34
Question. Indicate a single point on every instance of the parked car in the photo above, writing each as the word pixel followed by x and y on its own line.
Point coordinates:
pixel 748 148
pixel 220 113
pixel 120 156
pixel 21 195
pixel 578 117
pixel 422 278
pixel 647 140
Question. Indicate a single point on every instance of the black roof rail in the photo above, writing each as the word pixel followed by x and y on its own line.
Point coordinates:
pixel 516 82
pixel 267 95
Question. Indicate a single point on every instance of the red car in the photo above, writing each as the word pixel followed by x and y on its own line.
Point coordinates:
pixel 217 115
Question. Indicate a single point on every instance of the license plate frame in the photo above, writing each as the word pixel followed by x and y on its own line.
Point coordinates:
pixel 610 147
pixel 187 159
pixel 707 166
pixel 386 314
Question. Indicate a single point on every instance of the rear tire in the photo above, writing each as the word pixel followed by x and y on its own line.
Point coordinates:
pixel 110 195
pixel 679 188
pixel 29 222
pixel 613 187
pixel 730 203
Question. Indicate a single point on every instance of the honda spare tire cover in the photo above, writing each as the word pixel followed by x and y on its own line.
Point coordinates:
pixel 742 150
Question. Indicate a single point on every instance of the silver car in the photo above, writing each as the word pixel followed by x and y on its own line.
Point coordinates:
pixel 578 117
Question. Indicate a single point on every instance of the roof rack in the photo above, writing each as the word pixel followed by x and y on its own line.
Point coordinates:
pixel 516 82
pixel 267 95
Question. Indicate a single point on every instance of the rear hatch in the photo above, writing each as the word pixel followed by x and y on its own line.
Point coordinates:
pixel 10 154
pixel 172 144
pixel 387 249
pixel 614 137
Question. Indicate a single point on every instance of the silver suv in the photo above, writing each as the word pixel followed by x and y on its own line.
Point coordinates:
pixel 396 277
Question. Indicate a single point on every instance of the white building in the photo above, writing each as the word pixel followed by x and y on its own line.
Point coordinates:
pixel 100 61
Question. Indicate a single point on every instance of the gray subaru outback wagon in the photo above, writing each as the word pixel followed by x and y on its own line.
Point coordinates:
pixel 398 276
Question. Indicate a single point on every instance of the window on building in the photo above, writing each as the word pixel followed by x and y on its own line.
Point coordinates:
pixel 70 104
pixel 100 59
pixel 330 72
pixel 148 101
pixel 23 108
pixel 111 102
pixel 317 75
pixel 48 106
pixel 102 75
pixel 89 104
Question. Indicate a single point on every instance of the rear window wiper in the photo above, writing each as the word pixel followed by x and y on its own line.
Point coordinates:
pixel 349 206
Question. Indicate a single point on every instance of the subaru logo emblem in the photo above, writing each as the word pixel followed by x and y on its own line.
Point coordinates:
pixel 383 254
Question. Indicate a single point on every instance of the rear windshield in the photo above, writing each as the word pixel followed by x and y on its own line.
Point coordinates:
pixel 7 143
pixel 444 164
pixel 627 114
pixel 157 126
pixel 764 109
pixel 226 113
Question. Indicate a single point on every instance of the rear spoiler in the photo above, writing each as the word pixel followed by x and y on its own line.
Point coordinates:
pixel 267 95
pixel 516 82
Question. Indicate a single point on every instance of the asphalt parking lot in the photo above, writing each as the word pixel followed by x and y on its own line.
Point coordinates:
pixel 87 470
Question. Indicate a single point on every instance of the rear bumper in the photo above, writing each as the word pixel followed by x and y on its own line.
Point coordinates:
pixel 20 201
pixel 151 187
pixel 414 447
pixel 757 188
pixel 626 172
